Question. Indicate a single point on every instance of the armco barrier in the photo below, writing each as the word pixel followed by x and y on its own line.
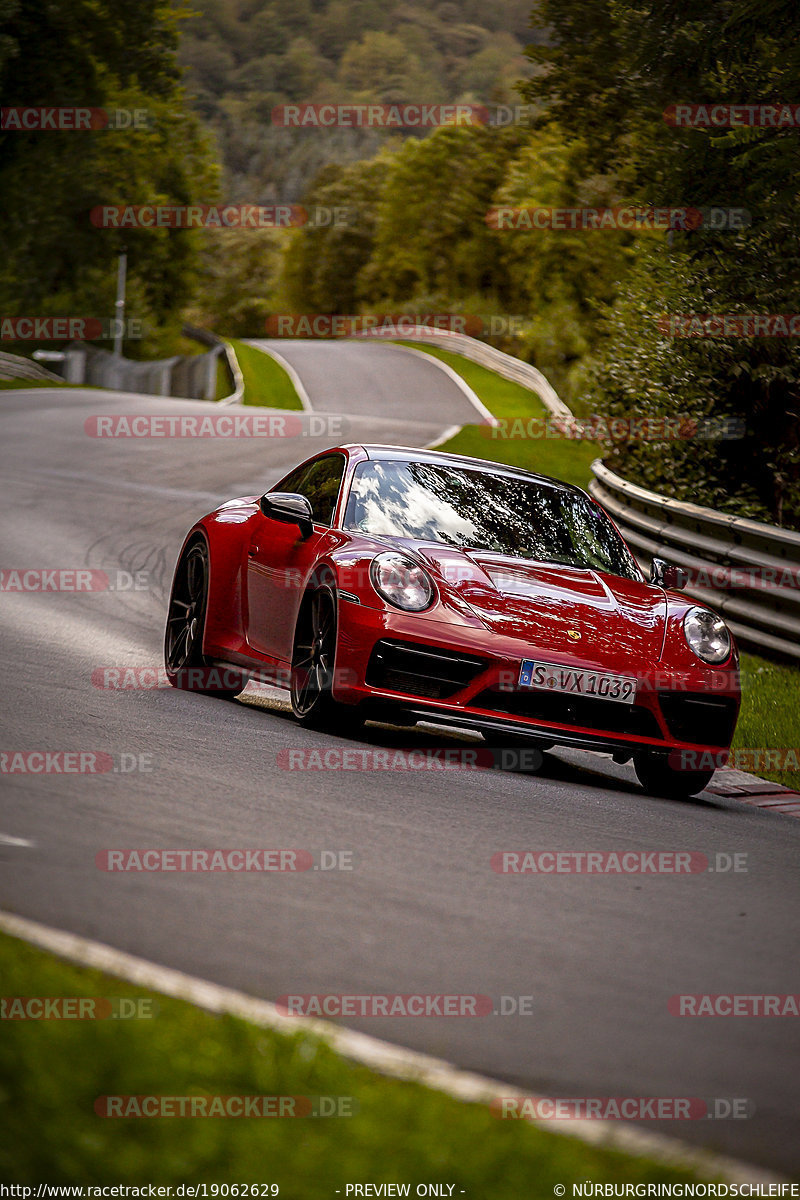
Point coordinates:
pixel 765 617
pixel 13 366
pixel 207 338
pixel 192 377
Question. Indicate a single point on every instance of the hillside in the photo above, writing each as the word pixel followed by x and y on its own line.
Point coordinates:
pixel 241 59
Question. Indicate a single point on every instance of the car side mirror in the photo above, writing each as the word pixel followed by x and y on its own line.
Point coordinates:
pixel 289 507
pixel 664 574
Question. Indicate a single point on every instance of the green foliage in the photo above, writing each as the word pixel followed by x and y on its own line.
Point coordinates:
pixel 769 716
pixel 431 235
pixel 611 73
pixel 54 260
pixel 563 279
pixel 323 266
pixel 236 273
pixel 243 59
pixel 645 373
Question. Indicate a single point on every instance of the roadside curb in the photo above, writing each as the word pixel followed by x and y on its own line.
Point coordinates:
pixel 383 1057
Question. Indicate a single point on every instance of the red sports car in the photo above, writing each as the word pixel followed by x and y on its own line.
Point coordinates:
pixel 382 581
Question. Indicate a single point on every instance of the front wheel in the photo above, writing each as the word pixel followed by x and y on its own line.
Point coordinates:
pixel 185 664
pixel 314 664
pixel 660 779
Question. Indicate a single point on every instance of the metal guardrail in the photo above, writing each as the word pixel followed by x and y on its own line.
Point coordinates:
pixel 13 366
pixel 761 563
pixel 207 338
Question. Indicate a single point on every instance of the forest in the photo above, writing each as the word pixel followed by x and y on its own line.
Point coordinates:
pixel 602 311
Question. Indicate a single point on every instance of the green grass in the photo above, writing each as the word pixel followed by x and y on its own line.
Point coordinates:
pixel 51 1073
pixel 558 457
pixel 9 384
pixel 770 715
pixel 265 381
pixel 224 386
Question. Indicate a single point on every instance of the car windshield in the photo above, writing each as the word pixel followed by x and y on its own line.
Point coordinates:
pixel 485 510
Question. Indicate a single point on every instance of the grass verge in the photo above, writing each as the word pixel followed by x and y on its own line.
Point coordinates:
pixel 53 1071
pixel 559 457
pixel 265 381
pixel 224 386
pixel 769 717
pixel 10 384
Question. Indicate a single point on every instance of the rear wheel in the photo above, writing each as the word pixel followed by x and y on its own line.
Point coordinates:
pixel 185 664
pixel 314 664
pixel 660 779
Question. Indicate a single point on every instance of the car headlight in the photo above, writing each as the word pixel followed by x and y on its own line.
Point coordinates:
pixel 401 581
pixel 707 635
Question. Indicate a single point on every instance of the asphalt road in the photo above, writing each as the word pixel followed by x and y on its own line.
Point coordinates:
pixel 422 910
pixel 373 379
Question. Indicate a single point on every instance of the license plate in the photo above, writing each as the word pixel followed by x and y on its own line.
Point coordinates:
pixel 550 677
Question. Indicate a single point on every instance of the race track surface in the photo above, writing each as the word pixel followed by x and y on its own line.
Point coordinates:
pixel 422 910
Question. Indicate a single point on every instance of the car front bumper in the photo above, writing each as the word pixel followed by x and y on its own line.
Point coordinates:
pixel 463 676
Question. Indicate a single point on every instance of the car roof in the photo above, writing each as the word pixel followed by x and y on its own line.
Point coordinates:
pixel 417 454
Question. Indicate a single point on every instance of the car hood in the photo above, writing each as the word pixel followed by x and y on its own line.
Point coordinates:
pixel 583 614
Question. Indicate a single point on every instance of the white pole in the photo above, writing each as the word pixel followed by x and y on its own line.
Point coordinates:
pixel 119 307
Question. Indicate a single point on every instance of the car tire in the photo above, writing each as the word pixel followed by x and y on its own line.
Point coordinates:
pixel 313 666
pixel 658 778
pixel 186 666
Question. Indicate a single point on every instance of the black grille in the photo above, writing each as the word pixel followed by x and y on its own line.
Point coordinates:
pixel 429 671
pixel 585 711
pixel 699 719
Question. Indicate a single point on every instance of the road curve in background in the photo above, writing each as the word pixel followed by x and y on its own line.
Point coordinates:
pixel 374 379
pixel 422 910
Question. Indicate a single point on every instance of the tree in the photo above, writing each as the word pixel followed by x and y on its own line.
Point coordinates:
pixel 612 72
pixel 54 260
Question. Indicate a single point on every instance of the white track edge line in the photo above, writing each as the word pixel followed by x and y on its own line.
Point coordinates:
pixel 380 1056
pixel 299 386
pixel 444 436
pixel 460 383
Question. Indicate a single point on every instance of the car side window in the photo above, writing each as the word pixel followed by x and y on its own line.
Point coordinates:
pixel 294 480
pixel 319 483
